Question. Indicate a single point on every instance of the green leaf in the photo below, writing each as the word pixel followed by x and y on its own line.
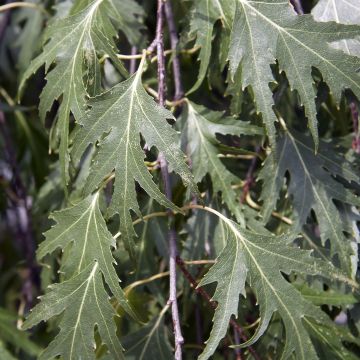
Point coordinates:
pixel 344 12
pixel 123 113
pixel 10 334
pixel 329 339
pixel 150 342
pixel 329 297
pixel 84 304
pixel 199 137
pixel 82 229
pixel 312 186
pixel 204 15
pixel 268 30
pixel 229 272
pixel 28 41
pixel 261 260
pixel 71 43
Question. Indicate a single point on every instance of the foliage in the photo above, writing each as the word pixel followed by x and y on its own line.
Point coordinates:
pixel 233 154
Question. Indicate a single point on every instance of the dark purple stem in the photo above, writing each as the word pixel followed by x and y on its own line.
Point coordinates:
pixel 213 304
pixel 298 6
pixel 237 341
pixel 172 238
pixel 355 118
pixel 132 67
pixel 179 92
pixel 18 214
pixel 249 176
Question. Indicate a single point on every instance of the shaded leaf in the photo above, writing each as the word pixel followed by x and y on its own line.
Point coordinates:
pixel 312 186
pixel 71 43
pixel 84 304
pixel 199 137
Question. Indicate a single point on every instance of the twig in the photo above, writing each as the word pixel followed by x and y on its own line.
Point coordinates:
pixel 213 304
pixel 23 4
pixel 298 6
pixel 275 214
pixel 132 67
pixel 179 92
pixel 19 209
pixel 237 350
pixel 179 340
pixel 249 176
pixel 355 119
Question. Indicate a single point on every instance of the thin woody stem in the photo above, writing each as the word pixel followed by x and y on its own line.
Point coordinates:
pixel 194 284
pixel 172 237
pixel 179 92
pixel 298 6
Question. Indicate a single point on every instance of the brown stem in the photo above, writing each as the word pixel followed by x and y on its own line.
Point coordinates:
pixel 249 176
pixel 194 284
pixel 172 238
pixel 355 118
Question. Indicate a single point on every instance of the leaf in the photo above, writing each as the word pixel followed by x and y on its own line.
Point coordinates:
pixel 84 304
pixel 83 230
pixel 123 113
pixel 71 43
pixel 150 342
pixel 268 30
pixel 28 40
pixel 199 137
pixel 329 297
pixel 10 334
pixel 231 269
pixel 312 186
pixel 344 12
pixel 261 260
pixel 204 15
pixel 330 340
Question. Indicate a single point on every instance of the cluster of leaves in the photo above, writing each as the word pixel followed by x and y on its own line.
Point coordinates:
pixel 271 95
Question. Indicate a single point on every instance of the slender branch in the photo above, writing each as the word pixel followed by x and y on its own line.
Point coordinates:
pixel 132 67
pixel 298 6
pixel 19 208
pixel 249 176
pixel 275 214
pixel 237 350
pixel 355 119
pixel 172 238
pixel 179 92
pixel 18 4
pixel 194 284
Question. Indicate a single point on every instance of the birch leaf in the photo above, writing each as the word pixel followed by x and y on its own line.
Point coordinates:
pixel 83 228
pixel 344 12
pixel 312 187
pixel 123 113
pixel 71 43
pixel 204 15
pixel 199 134
pixel 261 260
pixel 268 30
pixel 84 303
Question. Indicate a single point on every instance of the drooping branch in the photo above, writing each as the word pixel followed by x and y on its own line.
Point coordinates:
pixel 172 237
pixel 213 304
